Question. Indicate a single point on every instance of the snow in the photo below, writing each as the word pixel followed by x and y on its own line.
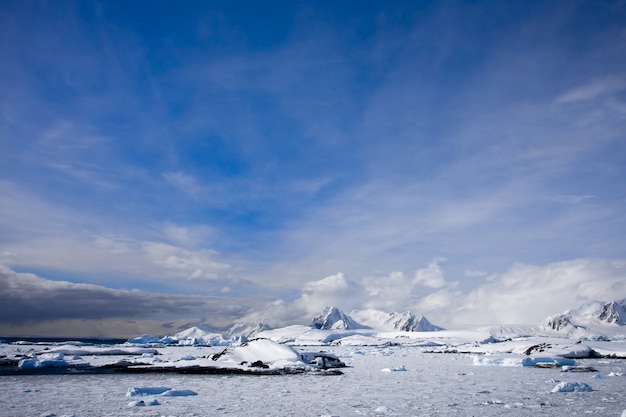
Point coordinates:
pixel 382 321
pixel 572 387
pixel 264 350
pixel 142 403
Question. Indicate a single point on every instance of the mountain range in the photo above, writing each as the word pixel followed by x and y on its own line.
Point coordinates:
pixel 594 320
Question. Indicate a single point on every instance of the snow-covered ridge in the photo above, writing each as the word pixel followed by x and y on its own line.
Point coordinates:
pixel 331 318
pixel 334 319
pixel 382 321
pixel 591 320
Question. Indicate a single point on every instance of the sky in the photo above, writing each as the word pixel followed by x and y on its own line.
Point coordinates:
pixel 165 164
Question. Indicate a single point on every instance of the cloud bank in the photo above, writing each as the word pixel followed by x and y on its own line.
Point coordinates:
pixel 36 306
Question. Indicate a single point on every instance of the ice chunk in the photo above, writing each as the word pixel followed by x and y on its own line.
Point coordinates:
pixel 496 361
pixel 265 350
pixel 160 391
pixel 141 392
pixel 400 368
pixel 383 410
pixel 179 393
pixel 557 361
pixel 322 360
pixel 31 363
pixel 144 339
pixel 572 387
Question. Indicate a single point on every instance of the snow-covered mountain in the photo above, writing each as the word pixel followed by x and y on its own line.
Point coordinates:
pixel 246 330
pixel 199 335
pixel 594 318
pixel 383 321
pixel 408 322
pixel 195 335
pixel 614 312
pixel 334 319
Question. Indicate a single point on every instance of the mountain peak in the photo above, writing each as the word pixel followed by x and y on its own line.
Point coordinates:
pixel 558 321
pixel 614 313
pixel 334 319
pixel 409 322
pixel 247 330
pixel 590 316
pixel 389 322
pixel 197 332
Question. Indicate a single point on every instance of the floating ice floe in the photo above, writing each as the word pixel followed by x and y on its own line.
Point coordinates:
pixel 400 368
pixel 546 362
pixel 47 360
pixel 159 391
pixel 572 387
pixel 265 353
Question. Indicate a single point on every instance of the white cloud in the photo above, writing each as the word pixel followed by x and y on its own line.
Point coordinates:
pixel 98 255
pixel 438 300
pixel 474 273
pixel 194 264
pixel 572 199
pixel 595 88
pixel 188 236
pixel 526 294
pixel 332 290
pixel 391 292
pixel 432 276
pixel 184 182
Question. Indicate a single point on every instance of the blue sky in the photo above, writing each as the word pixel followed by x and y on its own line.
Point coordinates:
pixel 274 158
